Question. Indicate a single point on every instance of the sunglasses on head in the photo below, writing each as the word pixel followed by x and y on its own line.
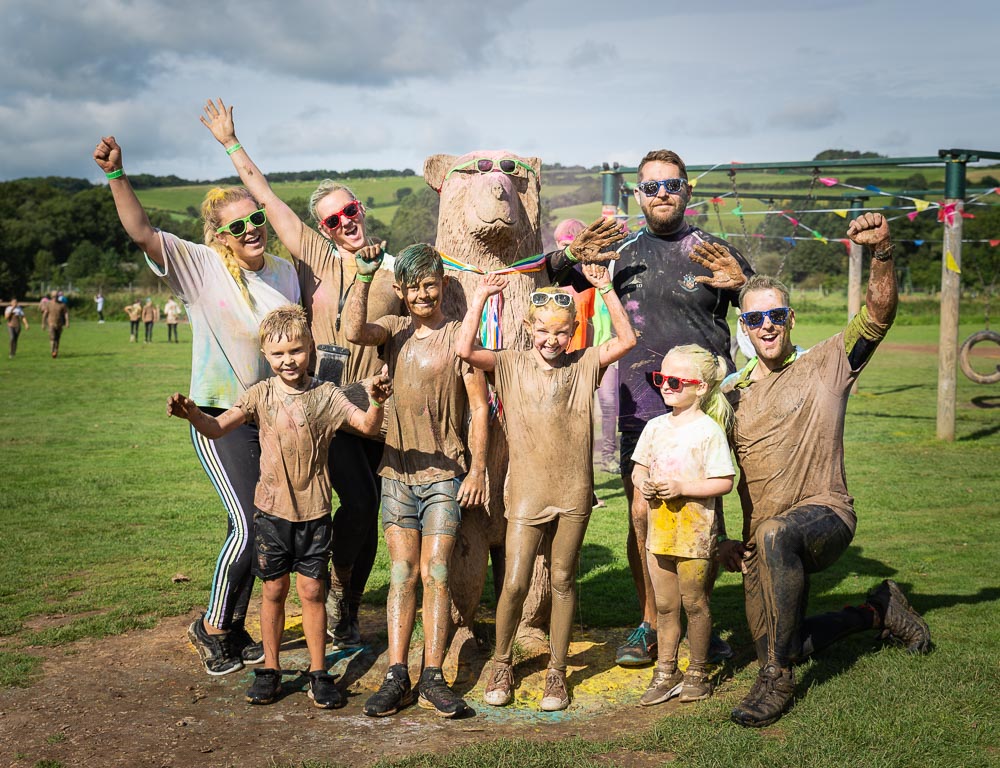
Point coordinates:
pixel 672 382
pixel 778 316
pixel 236 228
pixel 541 298
pixel 351 211
pixel 651 188
pixel 508 165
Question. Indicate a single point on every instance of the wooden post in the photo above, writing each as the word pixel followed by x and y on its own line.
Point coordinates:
pixel 951 267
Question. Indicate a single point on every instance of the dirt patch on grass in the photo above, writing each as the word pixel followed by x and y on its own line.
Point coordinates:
pixel 143 699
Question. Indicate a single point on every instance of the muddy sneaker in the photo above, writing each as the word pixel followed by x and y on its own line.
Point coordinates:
pixel 323 692
pixel 500 689
pixel 394 694
pixel 343 629
pixel 215 650
pixel 435 694
pixel 666 684
pixel 900 622
pixel 245 646
pixel 266 686
pixel 718 650
pixel 768 699
pixel 696 686
pixel 639 649
pixel 555 696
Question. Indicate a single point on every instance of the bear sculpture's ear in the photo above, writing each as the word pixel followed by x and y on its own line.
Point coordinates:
pixel 436 167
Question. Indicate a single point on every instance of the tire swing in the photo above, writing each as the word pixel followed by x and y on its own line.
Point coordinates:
pixel 979 336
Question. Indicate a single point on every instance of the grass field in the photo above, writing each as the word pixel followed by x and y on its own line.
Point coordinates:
pixel 104 501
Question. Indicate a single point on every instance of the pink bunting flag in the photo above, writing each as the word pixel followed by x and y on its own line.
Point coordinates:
pixel 828 181
pixel 912 215
pixel 847 245
pixel 995 243
pixel 968 215
pixel 795 222
pixel 691 211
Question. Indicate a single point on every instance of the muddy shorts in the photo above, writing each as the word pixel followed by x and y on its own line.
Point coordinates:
pixel 55 333
pixel 431 509
pixel 626 447
pixel 282 546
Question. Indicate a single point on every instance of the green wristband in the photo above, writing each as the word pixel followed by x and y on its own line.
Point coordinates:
pixel 374 402
pixel 570 256
pixel 235 148
pixel 115 174
pixel 606 289
pixel 721 538
pixel 365 278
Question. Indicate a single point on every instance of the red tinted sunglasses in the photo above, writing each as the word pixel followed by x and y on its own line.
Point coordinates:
pixel 673 382
pixel 351 211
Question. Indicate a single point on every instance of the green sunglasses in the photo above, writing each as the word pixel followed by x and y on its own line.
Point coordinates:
pixel 237 227
pixel 508 165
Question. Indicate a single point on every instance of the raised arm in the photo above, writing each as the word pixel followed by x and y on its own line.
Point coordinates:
pixel 465 341
pixel 218 118
pixel 356 326
pixel 370 422
pixel 872 230
pixel 211 427
pixel 108 155
pixel 617 346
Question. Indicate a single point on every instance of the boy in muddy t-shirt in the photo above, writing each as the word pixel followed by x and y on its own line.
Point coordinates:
pixel 426 474
pixel 298 417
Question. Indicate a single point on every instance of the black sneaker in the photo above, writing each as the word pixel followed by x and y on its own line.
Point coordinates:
pixel 435 694
pixel 770 696
pixel 718 650
pixel 251 651
pixel 266 686
pixel 899 621
pixel 394 694
pixel 342 627
pixel 215 650
pixel 323 692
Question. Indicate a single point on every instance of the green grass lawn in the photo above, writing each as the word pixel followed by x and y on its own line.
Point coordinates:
pixel 103 502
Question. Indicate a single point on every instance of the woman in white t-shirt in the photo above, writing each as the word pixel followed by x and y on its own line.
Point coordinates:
pixel 227 286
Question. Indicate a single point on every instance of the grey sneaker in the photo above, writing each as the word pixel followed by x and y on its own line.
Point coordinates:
pixel 770 696
pixel 899 621
pixel 696 686
pixel 215 650
pixel 500 689
pixel 555 696
pixel 665 685
pixel 639 649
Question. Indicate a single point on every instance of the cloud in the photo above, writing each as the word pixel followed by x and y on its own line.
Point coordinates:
pixel 593 54
pixel 810 116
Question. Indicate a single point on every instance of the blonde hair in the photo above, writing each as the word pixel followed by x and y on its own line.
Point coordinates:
pixel 218 198
pixel 711 370
pixel 551 305
pixel 326 187
pixel 288 322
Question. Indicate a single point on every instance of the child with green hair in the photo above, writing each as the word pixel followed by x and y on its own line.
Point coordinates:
pixel 682 465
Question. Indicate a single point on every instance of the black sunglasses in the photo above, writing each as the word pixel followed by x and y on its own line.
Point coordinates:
pixel 778 316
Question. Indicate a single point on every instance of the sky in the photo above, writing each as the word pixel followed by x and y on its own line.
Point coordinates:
pixel 385 83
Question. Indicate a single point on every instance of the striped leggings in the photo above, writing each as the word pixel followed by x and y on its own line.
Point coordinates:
pixel 232 463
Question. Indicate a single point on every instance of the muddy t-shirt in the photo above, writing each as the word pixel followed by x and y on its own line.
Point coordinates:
pixel 788 435
pixel 326 280
pixel 295 434
pixel 548 420
pixel 426 430
pixel 56 315
pixel 655 280
pixel 697 450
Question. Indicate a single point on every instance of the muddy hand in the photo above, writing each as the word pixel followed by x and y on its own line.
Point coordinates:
pixel 177 405
pixel 596 274
pixel 108 155
pixel 369 258
pixel 725 269
pixel 869 229
pixel 380 389
pixel 491 285
pixel 587 246
pixel 219 120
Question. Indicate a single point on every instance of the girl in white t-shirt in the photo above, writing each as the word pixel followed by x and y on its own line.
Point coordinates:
pixel 682 466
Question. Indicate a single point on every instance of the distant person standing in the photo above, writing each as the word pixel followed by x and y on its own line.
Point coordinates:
pixel 56 318
pixel 99 301
pixel 172 310
pixel 134 312
pixel 15 318
pixel 150 314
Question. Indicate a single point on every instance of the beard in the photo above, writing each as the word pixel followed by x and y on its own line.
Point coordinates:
pixel 665 222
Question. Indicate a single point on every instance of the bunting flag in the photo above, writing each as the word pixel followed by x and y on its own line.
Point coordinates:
pixel 951 264
pixel 922 205
pixel 691 211
pixel 790 240
pixel 847 245
pixel 692 183
pixel 918 242
pixel 841 213
pixel 995 243
pixel 738 210
pixel 828 181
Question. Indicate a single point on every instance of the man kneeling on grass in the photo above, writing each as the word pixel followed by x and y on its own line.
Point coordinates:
pixel 788 437
pixel 298 416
